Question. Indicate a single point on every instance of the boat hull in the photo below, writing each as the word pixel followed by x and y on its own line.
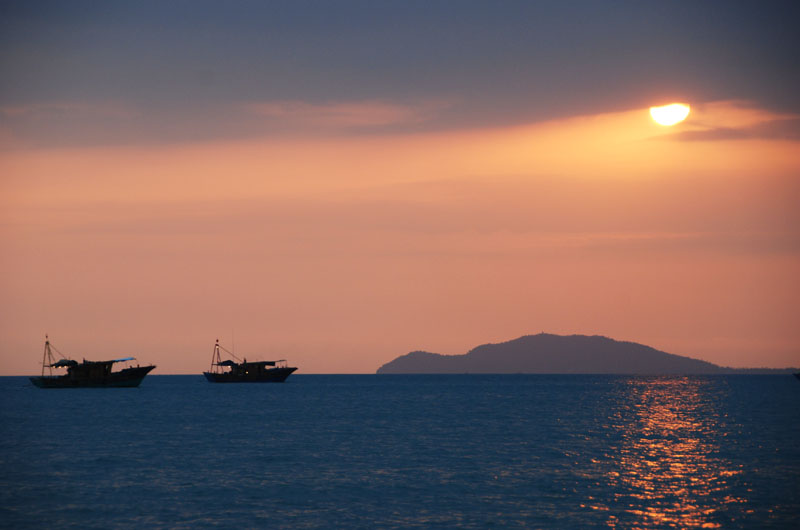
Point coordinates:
pixel 127 378
pixel 274 375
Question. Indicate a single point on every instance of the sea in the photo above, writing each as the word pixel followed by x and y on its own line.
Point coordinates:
pixel 404 451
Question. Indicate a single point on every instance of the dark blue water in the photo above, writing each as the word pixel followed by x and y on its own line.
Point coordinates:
pixel 404 451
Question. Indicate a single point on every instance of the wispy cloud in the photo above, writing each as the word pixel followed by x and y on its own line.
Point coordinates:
pixel 782 129
pixel 59 109
pixel 65 123
pixel 68 124
pixel 737 120
pixel 344 115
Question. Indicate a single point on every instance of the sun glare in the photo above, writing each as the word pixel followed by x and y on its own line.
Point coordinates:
pixel 669 114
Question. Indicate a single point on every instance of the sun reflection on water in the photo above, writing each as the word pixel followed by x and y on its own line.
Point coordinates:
pixel 667 468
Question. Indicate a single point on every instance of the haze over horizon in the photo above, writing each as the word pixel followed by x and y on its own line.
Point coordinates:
pixel 340 183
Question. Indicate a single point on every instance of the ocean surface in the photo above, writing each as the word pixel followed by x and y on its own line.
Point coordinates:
pixel 384 451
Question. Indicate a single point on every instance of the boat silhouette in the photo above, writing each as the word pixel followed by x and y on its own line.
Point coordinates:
pixel 229 371
pixel 88 374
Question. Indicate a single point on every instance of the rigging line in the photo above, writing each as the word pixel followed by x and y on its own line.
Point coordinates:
pixel 58 352
pixel 230 353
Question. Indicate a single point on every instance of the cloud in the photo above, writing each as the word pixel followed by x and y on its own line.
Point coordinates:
pixel 59 123
pixel 343 115
pixel 782 129
pixel 65 124
pixel 45 110
pixel 735 120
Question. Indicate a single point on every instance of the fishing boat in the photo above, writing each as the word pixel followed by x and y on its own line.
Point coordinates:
pixel 230 371
pixel 87 374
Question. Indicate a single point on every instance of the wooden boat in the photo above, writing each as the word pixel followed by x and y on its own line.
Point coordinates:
pixel 229 371
pixel 88 374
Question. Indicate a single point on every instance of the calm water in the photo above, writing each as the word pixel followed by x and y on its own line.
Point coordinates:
pixel 404 451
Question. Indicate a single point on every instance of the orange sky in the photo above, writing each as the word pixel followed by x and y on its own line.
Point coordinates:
pixel 339 250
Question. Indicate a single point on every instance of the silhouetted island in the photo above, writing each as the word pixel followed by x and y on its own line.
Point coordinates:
pixel 556 354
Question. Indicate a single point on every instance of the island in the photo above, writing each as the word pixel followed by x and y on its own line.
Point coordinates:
pixel 558 354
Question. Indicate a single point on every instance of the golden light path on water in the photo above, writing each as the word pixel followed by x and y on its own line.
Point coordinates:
pixel 668 470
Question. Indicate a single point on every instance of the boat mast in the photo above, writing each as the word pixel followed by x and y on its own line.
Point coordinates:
pixel 215 359
pixel 47 357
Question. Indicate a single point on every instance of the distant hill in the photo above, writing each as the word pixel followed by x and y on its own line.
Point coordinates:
pixel 556 354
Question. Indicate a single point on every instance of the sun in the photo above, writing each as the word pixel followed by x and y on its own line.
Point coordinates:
pixel 669 114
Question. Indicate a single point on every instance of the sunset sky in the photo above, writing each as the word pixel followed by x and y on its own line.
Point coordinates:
pixel 339 183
